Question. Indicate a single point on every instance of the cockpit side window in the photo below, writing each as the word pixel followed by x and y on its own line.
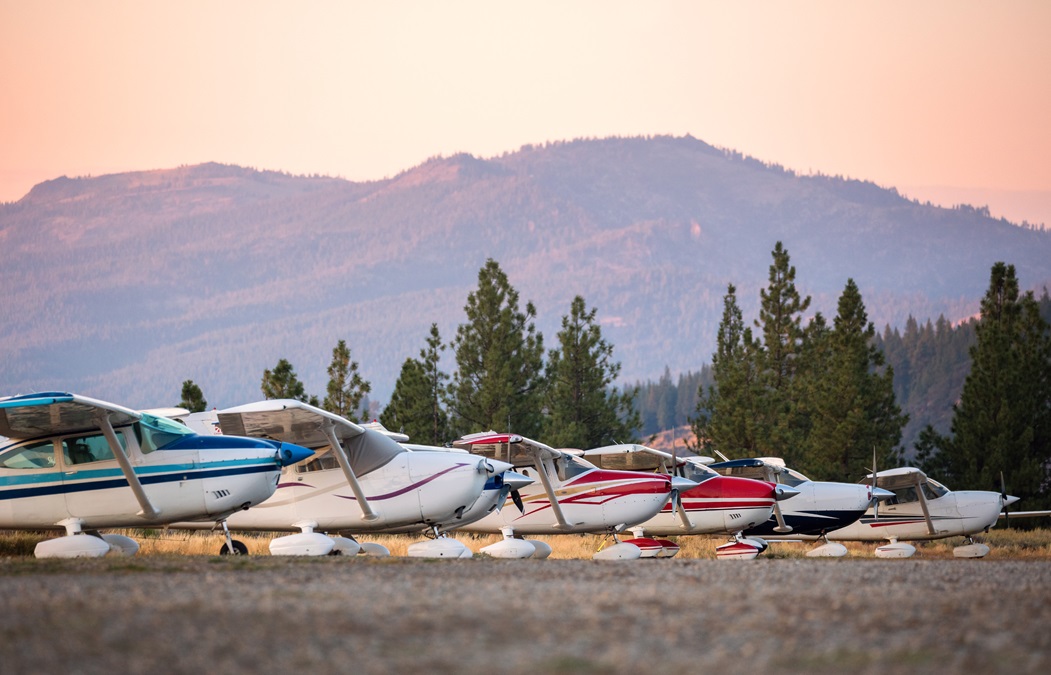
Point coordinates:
pixel 87 449
pixel 35 455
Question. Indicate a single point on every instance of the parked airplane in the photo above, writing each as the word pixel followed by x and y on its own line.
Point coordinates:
pixel 76 463
pixel 495 493
pixel 574 496
pixel 717 505
pixel 361 480
pixel 819 508
pixel 924 509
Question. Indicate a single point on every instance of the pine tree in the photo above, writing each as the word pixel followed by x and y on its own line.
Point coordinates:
pixel 780 320
pixel 346 388
pixel 851 407
pixel 415 407
pixel 1003 420
pixel 192 397
pixel 499 379
pixel 281 382
pixel 585 410
pixel 726 417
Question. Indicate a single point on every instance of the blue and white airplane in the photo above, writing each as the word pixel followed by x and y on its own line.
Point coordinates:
pixel 79 464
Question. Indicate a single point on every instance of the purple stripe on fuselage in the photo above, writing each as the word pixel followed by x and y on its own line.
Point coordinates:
pixel 389 495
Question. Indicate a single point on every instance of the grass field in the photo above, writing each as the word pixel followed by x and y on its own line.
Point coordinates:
pixel 1006 544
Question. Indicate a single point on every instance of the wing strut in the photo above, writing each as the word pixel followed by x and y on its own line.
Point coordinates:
pixel 368 513
pixel 148 509
pixel 923 505
pixel 563 524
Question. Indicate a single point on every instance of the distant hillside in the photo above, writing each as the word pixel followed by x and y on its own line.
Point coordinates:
pixel 123 286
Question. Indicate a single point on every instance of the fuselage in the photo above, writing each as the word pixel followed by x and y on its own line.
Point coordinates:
pixel 412 490
pixel 46 480
pixel 591 499
pixel 962 512
pixel 820 507
pixel 719 504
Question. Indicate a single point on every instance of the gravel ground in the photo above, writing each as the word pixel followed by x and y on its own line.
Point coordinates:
pixel 175 614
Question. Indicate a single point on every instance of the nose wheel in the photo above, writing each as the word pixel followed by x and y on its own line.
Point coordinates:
pixel 232 546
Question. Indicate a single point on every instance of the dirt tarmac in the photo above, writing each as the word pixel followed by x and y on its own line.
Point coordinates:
pixel 183 614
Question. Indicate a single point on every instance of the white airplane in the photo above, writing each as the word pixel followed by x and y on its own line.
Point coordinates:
pixel 924 509
pixel 574 496
pixel 79 464
pixel 716 505
pixel 360 481
pixel 494 495
pixel 819 508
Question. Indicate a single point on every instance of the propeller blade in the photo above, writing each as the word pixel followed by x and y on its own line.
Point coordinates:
pixel 875 504
pixel 516 497
pixel 1003 501
pixel 782 526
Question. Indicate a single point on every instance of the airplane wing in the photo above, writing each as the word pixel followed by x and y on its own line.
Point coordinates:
pixel 1025 514
pixel 519 451
pixel 357 449
pixel 55 413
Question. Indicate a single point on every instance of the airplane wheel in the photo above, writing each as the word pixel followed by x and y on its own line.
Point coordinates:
pixel 239 549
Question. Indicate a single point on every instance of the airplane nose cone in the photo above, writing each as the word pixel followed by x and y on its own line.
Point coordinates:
pixel 516 481
pixel 1010 499
pixel 782 492
pixel 290 453
pixel 682 484
pixel 881 494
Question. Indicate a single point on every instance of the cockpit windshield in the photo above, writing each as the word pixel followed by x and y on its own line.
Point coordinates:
pixel 789 477
pixel 698 473
pixel 155 433
pixel 569 466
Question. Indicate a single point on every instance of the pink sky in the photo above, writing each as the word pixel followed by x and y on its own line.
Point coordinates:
pixel 948 100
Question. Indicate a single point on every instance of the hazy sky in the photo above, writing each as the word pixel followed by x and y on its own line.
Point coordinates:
pixel 926 96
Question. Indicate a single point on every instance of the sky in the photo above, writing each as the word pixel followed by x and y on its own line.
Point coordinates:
pixel 947 100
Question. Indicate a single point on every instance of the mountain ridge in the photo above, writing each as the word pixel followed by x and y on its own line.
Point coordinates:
pixel 212 272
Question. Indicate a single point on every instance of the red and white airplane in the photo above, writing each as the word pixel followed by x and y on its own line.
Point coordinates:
pixel 573 496
pixel 76 463
pixel 360 481
pixel 716 505
pixel 924 509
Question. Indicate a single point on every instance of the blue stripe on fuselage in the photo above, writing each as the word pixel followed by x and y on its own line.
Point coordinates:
pixel 175 473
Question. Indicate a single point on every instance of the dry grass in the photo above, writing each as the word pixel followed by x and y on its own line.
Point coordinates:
pixel 1006 544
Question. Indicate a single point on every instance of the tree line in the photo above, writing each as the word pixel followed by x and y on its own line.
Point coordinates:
pixel 504 379
pixel 824 396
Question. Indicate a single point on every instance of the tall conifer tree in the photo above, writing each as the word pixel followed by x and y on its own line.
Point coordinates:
pixel 1003 420
pixel 346 388
pixel 416 406
pixel 727 415
pixel 585 410
pixel 851 406
pixel 780 321
pixel 192 397
pixel 282 382
pixel 499 379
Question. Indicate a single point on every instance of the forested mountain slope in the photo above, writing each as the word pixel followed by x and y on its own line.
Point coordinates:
pixel 123 286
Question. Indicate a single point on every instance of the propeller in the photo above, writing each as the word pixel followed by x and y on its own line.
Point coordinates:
pixel 512 483
pixel 782 526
